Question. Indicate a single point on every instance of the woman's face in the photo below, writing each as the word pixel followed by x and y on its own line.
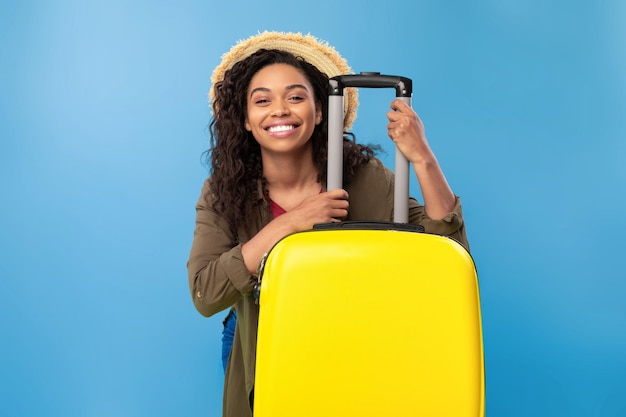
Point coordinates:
pixel 281 109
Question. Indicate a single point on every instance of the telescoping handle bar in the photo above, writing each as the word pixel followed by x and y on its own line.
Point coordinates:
pixel 404 91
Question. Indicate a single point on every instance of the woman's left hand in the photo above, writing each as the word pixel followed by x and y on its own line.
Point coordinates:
pixel 407 131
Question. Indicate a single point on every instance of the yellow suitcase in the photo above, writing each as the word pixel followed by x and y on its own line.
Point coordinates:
pixel 366 339
pixel 367 322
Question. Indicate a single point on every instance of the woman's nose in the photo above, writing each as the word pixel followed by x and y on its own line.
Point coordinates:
pixel 279 108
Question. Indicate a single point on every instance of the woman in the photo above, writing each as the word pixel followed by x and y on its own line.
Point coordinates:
pixel 268 156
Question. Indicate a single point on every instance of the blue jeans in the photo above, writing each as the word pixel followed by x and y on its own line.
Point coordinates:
pixel 228 333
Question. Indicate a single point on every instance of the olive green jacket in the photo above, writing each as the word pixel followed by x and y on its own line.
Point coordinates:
pixel 219 279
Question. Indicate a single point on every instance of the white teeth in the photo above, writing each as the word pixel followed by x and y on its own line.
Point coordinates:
pixel 282 128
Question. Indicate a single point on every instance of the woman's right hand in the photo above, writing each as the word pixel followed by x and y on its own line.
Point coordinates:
pixel 330 206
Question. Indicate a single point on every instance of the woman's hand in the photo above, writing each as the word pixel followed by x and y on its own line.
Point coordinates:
pixel 331 206
pixel 407 131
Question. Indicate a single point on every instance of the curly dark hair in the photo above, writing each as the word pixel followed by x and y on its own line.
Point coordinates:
pixel 235 156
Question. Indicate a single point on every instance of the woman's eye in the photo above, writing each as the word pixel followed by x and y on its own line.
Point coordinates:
pixel 296 98
pixel 261 101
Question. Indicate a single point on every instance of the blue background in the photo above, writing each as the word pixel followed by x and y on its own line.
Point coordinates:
pixel 103 117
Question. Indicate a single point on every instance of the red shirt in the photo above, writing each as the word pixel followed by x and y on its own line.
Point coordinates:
pixel 276 209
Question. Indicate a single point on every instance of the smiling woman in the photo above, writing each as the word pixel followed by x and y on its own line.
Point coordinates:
pixel 268 161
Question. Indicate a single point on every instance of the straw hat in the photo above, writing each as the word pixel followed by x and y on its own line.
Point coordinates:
pixel 311 49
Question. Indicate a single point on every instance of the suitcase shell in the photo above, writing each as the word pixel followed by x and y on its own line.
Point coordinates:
pixel 369 323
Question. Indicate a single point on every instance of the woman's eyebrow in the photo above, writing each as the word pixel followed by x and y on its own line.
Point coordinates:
pixel 262 89
pixel 287 88
pixel 294 86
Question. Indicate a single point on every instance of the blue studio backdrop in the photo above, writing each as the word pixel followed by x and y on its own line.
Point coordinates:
pixel 103 121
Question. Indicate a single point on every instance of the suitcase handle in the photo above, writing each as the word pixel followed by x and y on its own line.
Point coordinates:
pixel 334 177
pixel 403 85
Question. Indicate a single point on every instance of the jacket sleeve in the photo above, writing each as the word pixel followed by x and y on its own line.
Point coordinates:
pixel 451 224
pixel 217 274
pixel 371 198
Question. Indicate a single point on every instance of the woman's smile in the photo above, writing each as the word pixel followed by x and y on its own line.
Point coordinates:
pixel 281 130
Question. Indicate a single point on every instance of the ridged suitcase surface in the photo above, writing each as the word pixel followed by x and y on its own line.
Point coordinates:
pixel 369 323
